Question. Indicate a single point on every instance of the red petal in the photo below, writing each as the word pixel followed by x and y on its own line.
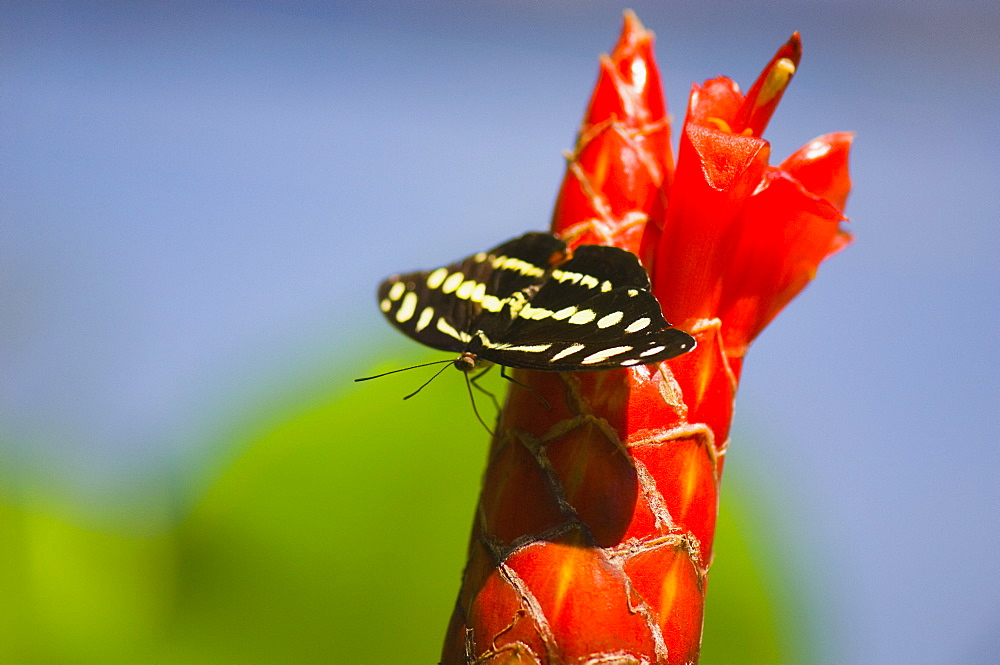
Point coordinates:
pixel 716 173
pixel 787 232
pixel 821 167
pixel 715 99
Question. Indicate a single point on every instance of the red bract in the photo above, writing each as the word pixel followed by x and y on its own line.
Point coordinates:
pixel 593 536
pixel 740 238
pixel 622 158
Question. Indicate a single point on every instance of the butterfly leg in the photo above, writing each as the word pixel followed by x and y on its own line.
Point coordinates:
pixel 468 384
pixel 478 387
pixel 544 401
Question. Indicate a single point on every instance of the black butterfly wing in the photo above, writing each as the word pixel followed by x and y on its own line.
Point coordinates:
pixel 517 265
pixel 594 312
pixel 440 307
pixel 510 306
pixel 593 269
pixel 617 328
pixel 411 308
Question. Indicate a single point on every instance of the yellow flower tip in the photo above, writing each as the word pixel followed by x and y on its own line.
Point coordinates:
pixel 719 124
pixel 723 126
pixel 777 80
pixel 762 99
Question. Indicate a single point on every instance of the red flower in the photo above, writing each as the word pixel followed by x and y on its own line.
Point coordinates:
pixel 741 238
pixel 593 536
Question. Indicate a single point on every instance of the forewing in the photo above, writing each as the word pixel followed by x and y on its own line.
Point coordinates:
pixel 507 276
pixel 519 263
pixel 440 307
pixel 421 313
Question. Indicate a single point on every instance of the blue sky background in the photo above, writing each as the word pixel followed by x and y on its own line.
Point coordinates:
pixel 198 199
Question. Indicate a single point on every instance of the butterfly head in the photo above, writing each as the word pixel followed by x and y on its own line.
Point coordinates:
pixel 468 362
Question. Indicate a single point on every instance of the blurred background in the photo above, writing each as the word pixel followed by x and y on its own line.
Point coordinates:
pixel 197 200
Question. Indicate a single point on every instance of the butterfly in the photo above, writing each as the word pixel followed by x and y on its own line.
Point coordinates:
pixel 531 303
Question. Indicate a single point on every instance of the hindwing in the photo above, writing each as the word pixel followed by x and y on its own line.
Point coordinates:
pixel 595 311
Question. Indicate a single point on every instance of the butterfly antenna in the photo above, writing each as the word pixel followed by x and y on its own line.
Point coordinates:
pixel 436 374
pixel 544 401
pixel 468 386
pixel 403 369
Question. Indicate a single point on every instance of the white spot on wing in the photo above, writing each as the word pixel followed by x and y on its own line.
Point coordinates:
pixel 396 291
pixel 517 301
pixel 638 325
pixel 604 354
pixel 385 305
pixel 407 307
pixel 465 290
pixel 493 304
pixel 523 267
pixel 609 320
pixel 435 278
pixel 564 276
pixel 652 352
pixel 486 341
pixel 605 286
pixel 453 281
pixel 569 350
pixel 425 318
pixel 564 313
pixel 540 313
pixel 447 329
pixel 534 313
pixel 535 348
pixel 582 317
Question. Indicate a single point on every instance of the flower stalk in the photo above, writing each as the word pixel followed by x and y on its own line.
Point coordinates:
pixel 592 540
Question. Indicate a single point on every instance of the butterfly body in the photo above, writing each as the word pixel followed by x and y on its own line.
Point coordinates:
pixel 529 303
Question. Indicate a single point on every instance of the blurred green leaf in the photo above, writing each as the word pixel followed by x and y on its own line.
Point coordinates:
pixel 73 594
pixel 750 614
pixel 336 533
pixel 339 535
